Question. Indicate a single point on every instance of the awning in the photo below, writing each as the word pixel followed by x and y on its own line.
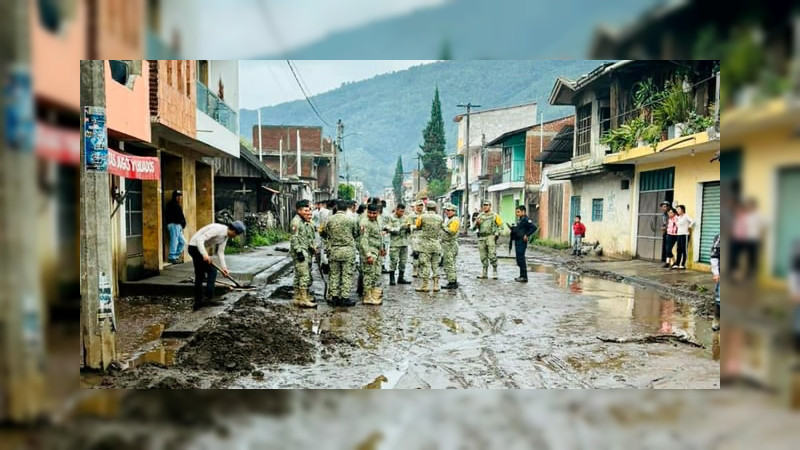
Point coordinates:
pixel 135 167
pixel 62 145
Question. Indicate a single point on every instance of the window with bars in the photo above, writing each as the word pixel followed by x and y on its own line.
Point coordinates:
pixel 584 130
pixel 597 210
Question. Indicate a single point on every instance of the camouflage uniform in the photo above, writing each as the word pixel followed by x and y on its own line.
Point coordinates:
pixel 302 243
pixel 398 232
pixel 430 248
pixel 342 232
pixel 487 247
pixel 371 243
pixel 450 229
pixel 413 240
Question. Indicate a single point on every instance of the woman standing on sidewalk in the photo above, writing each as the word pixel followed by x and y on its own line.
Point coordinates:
pixel 685 223
pixel 671 237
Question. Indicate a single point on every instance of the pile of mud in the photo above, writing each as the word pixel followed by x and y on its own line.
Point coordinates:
pixel 252 333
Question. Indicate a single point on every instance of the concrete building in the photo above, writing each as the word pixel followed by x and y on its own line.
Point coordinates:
pixel 617 191
pixel 485 126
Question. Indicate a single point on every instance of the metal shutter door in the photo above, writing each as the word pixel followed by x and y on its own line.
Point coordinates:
pixel 709 224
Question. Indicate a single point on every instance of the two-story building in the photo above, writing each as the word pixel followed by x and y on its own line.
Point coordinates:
pixel 485 126
pixel 617 187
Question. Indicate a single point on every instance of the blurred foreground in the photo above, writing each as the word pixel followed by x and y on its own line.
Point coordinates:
pixel 759 45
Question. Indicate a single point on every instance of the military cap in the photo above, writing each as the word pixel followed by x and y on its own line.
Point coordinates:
pixel 431 205
pixel 419 203
pixel 302 204
pixel 486 202
pixel 450 207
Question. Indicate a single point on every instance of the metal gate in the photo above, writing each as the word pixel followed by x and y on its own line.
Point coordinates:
pixel 709 223
pixel 655 186
pixel 134 253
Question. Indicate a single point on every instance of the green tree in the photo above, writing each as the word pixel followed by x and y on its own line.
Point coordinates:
pixel 437 188
pixel 433 156
pixel 346 192
pixel 397 181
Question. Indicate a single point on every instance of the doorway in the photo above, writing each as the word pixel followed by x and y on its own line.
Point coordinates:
pixel 134 235
pixel 655 186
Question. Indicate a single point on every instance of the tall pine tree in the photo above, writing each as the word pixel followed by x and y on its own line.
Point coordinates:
pixel 433 156
pixel 397 181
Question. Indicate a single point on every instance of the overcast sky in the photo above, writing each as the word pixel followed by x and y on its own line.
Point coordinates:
pixel 266 83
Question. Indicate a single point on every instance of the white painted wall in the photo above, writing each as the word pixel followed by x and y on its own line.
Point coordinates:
pixel 614 231
pixel 216 135
pixel 228 72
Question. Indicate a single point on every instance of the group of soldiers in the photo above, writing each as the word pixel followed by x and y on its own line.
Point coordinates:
pixel 359 241
pixel 353 241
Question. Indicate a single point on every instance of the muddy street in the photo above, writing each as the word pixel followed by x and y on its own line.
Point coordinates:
pixel 548 333
pixel 502 334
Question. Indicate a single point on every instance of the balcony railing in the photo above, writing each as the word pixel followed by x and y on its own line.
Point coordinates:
pixel 217 109
pixel 516 173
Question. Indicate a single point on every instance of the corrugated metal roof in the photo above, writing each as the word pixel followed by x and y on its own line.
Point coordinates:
pixel 560 148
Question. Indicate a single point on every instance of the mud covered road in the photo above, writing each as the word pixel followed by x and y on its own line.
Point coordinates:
pixel 487 334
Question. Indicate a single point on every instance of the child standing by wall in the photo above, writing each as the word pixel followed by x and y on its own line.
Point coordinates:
pixel 578 233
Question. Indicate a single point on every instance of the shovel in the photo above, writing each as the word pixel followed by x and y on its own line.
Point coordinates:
pixel 235 283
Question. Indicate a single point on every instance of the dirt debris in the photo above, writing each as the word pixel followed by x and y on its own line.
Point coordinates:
pixel 246 336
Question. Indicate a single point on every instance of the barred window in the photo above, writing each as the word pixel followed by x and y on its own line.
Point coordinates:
pixel 597 210
pixel 584 130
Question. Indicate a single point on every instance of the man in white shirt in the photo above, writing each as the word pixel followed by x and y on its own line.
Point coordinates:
pixel 215 234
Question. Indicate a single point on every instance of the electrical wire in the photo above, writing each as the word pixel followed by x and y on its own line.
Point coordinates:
pixel 305 94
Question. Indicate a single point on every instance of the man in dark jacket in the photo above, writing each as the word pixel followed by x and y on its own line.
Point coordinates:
pixel 521 234
pixel 176 222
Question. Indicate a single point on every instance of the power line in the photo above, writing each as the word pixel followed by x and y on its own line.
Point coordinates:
pixel 305 94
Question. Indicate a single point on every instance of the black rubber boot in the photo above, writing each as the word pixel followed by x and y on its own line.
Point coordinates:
pixel 332 301
pixel 360 285
pixel 401 278
pixel 391 278
pixel 346 302
pixel 451 285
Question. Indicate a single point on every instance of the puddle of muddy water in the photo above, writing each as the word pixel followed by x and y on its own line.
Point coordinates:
pixel 623 310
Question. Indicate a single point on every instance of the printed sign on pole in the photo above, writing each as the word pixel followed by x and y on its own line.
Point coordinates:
pixel 19 110
pixel 95 138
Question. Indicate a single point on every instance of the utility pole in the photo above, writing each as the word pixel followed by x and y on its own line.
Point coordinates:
pixel 418 158
pixel 260 148
pixel 22 351
pixel 98 327
pixel 469 107
pixel 339 148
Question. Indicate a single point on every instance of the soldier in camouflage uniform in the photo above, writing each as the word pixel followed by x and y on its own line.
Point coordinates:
pixel 302 249
pixel 399 228
pixel 450 245
pixel 488 226
pixel 412 219
pixel 372 253
pixel 341 232
pixel 429 247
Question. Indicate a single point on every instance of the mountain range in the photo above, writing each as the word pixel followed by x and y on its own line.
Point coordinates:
pixel 388 112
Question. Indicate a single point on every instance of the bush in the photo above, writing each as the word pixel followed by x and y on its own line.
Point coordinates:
pixel 267 237
pixel 558 245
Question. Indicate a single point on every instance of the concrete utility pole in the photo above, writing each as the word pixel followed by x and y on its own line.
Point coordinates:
pixel 260 147
pixel 299 160
pixel 339 148
pixel 418 158
pixel 22 351
pixel 469 107
pixel 98 327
